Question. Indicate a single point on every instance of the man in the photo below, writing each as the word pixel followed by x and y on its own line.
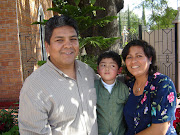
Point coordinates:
pixel 59 98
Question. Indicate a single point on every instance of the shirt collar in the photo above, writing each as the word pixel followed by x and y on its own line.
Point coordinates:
pixel 51 65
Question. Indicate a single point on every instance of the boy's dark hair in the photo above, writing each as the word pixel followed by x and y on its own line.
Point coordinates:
pixel 58 21
pixel 110 54
pixel 149 51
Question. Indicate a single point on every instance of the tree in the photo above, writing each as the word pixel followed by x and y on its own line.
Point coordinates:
pixel 85 15
pixel 162 15
pixel 109 30
pixel 130 23
pixel 143 15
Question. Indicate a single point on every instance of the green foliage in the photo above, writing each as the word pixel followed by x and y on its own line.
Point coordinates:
pixel 8 122
pixel 162 15
pixel 13 131
pixel 41 62
pixel 99 41
pixel 178 95
pixel 133 22
pixel 91 61
pixel 163 21
pixel 143 15
pixel 84 16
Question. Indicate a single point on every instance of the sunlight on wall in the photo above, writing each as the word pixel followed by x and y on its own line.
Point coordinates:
pixel 32 8
pixel 23 4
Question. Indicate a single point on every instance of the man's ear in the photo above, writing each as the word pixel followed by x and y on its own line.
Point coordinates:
pixel 47 47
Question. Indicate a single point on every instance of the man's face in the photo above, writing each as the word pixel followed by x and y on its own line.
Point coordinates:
pixel 64 46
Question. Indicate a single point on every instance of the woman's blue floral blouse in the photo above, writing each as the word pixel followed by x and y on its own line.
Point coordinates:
pixel 157 104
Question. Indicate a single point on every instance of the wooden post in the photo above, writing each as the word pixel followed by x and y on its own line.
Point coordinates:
pixel 177 50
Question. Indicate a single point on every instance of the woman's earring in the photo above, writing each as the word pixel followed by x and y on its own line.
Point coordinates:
pixel 150 62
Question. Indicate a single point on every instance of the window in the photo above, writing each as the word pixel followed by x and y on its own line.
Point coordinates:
pixel 42 33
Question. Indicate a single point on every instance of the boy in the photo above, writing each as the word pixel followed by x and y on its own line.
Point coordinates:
pixel 111 95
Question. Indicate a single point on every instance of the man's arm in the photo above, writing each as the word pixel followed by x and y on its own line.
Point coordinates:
pixel 32 117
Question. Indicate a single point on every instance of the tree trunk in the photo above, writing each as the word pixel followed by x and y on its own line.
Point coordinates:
pixel 112 7
pixel 112 29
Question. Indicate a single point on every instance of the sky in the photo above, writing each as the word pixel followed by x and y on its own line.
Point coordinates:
pixel 133 3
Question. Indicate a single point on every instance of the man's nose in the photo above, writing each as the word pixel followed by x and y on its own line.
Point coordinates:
pixel 68 43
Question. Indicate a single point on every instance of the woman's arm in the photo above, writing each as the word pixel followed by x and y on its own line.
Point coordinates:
pixel 155 129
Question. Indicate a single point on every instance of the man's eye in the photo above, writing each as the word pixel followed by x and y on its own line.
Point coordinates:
pixel 59 40
pixel 74 39
pixel 139 56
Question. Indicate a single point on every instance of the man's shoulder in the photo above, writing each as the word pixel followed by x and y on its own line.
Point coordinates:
pixel 37 73
pixel 84 66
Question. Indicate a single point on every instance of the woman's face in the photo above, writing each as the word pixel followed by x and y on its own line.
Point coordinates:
pixel 136 61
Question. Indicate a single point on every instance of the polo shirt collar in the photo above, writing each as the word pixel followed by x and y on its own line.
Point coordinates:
pixel 51 65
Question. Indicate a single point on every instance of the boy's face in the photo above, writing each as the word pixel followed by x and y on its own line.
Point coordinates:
pixel 108 70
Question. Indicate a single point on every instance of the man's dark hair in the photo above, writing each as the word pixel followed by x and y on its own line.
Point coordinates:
pixel 58 21
pixel 149 51
pixel 110 54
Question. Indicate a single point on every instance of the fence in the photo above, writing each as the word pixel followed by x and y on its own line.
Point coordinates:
pixel 163 41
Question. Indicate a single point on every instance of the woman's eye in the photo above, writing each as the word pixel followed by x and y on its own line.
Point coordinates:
pixel 128 57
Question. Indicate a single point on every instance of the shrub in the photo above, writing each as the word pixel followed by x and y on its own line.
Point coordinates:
pixel 8 122
pixel 176 122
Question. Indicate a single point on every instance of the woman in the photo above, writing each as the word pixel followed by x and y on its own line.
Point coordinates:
pixel 150 109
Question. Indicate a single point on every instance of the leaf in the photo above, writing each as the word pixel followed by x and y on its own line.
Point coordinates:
pixel 92 1
pixel 77 2
pixel 154 103
pixel 159 108
pixel 165 117
pixel 165 85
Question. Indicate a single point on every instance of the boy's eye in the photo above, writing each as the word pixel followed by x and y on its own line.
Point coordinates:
pixel 102 65
pixel 112 65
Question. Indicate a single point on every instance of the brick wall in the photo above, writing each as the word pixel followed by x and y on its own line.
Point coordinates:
pixel 10 69
pixel 14 22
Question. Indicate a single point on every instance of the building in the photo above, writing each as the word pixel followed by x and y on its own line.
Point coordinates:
pixel 21 44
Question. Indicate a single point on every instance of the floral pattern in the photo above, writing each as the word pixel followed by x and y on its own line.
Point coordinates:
pixel 170 97
pixel 157 104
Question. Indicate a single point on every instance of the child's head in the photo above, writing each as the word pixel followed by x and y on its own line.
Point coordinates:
pixel 109 64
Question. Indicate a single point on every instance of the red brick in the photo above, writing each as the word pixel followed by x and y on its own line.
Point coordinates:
pixel 10 69
pixel 4 63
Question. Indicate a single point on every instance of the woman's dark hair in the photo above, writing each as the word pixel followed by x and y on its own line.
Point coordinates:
pixel 56 22
pixel 149 51
pixel 110 54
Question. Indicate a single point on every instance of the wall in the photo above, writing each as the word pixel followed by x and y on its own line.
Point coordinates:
pixel 16 17
pixel 10 69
